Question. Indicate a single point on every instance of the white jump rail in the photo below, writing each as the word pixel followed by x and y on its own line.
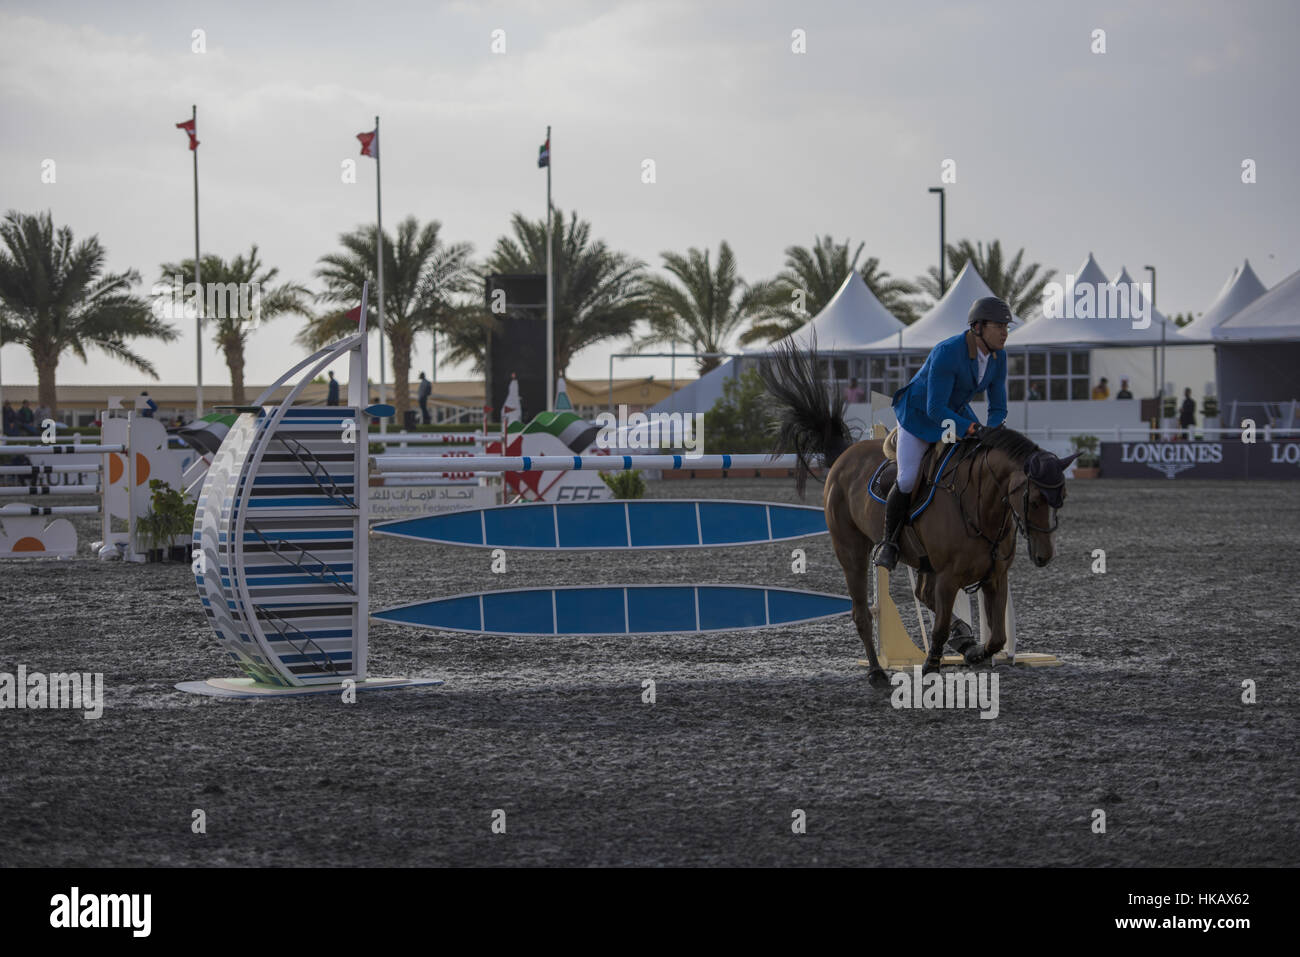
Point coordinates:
pixel 456 439
pixel 578 463
pixel 30 449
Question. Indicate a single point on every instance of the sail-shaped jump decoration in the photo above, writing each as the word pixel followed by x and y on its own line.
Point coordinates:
pixel 281 551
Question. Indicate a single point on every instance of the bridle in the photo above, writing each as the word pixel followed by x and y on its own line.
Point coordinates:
pixel 1034 477
pixel 1051 496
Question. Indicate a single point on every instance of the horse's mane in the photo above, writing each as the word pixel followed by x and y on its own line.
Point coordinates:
pixel 1016 446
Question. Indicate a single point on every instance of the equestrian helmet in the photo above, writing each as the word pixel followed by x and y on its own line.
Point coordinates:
pixel 989 309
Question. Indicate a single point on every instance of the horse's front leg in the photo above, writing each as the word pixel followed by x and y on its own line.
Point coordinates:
pixel 945 593
pixel 995 593
pixel 961 639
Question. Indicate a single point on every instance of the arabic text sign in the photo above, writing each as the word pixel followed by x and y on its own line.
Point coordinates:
pixel 391 502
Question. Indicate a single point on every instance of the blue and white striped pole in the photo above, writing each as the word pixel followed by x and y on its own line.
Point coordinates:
pixel 579 463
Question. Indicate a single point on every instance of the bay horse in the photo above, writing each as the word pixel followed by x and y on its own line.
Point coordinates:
pixel 994 484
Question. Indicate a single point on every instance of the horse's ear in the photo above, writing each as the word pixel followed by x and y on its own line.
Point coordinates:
pixel 1065 462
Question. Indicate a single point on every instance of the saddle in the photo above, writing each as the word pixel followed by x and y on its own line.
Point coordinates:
pixel 885 476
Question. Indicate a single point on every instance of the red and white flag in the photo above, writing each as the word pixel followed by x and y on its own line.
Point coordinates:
pixel 369 143
pixel 188 127
pixel 354 314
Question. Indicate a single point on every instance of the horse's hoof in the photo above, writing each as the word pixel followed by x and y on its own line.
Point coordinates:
pixel 976 655
pixel 879 678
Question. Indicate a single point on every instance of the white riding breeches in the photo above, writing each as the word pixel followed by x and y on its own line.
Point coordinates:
pixel 910 451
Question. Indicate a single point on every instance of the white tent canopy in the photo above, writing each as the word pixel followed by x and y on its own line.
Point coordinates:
pixel 1242 288
pixel 946 318
pixel 851 321
pixel 1273 316
pixel 1107 318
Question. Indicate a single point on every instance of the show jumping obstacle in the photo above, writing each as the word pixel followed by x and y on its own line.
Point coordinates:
pixel 134 450
pixel 24 529
pixel 282 551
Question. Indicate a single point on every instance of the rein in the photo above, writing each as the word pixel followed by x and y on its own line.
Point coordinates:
pixel 973 528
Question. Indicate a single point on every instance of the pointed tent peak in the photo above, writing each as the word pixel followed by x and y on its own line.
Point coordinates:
pixel 1157 317
pixel 1270 316
pixel 1090 272
pixel 947 317
pixel 1247 279
pixel 1242 288
pixel 852 319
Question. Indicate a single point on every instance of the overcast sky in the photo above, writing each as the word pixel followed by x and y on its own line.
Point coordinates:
pixel 1134 154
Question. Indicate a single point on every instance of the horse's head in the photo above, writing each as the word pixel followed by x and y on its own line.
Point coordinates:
pixel 1034 493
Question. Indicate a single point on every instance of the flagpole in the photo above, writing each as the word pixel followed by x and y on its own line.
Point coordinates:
pixel 550 289
pixel 198 305
pixel 379 268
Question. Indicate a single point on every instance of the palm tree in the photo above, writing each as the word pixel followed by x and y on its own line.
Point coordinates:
pixel 705 306
pixel 422 278
pixel 56 297
pixel 250 281
pixel 804 287
pixel 894 294
pixel 1021 287
pixel 598 293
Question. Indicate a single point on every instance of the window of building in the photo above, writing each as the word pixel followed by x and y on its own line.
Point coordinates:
pixel 1057 375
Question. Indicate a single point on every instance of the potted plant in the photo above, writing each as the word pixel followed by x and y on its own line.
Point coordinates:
pixel 627 484
pixel 1088 464
pixel 170 516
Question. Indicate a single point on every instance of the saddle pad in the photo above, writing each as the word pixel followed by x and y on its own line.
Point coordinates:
pixel 882 480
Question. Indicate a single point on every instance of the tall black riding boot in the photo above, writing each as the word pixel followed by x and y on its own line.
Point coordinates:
pixel 895 511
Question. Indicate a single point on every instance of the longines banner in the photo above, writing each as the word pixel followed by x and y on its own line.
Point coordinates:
pixel 1201 460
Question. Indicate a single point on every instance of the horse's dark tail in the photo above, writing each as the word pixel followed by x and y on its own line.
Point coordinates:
pixel 809 413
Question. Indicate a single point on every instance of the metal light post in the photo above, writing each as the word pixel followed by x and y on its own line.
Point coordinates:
pixel 1160 393
pixel 943 283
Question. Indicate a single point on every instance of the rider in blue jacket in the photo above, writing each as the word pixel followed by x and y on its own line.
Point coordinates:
pixel 955 370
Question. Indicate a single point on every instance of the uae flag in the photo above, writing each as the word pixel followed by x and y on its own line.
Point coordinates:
pixel 206 435
pixel 544 154
pixel 188 127
pixel 369 143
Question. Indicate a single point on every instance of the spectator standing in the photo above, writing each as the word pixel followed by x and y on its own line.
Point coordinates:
pixel 1101 390
pixel 10 419
pixel 26 418
pixel 1124 393
pixel 1187 414
pixel 150 406
pixel 854 392
pixel 333 397
pixel 426 390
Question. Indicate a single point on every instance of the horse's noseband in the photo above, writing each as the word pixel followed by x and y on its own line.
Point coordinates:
pixel 1042 470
